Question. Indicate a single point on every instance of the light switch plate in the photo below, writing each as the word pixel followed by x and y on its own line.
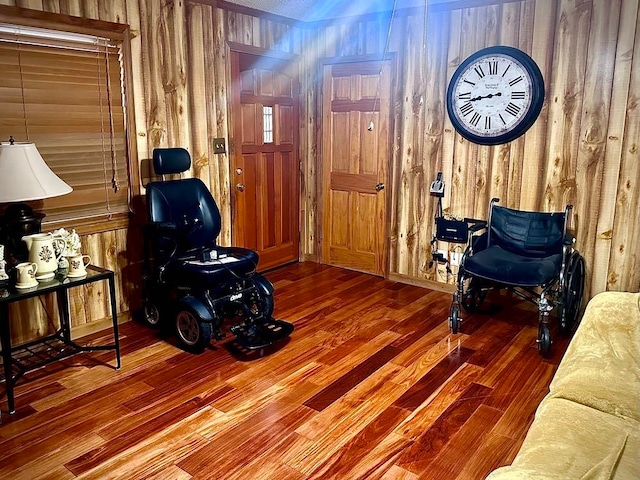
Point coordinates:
pixel 219 145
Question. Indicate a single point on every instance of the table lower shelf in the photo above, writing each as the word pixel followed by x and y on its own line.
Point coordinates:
pixel 45 351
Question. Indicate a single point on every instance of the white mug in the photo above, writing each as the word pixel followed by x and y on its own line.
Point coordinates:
pixel 26 274
pixel 78 264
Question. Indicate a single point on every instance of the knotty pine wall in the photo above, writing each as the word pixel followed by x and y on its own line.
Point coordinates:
pixel 582 150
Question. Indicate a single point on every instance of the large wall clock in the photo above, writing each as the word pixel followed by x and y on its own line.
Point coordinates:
pixel 495 95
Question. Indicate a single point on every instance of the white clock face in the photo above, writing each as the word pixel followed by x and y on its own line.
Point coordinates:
pixel 492 95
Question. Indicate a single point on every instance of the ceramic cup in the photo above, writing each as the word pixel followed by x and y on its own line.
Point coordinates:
pixel 78 264
pixel 26 275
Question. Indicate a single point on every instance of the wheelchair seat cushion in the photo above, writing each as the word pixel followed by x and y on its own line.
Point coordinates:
pixel 499 265
pixel 189 270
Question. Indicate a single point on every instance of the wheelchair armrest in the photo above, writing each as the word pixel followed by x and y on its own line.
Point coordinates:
pixel 475 225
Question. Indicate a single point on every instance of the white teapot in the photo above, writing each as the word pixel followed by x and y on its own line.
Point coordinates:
pixel 43 254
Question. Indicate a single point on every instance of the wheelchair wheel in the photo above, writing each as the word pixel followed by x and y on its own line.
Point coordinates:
pixel 193 334
pixel 544 339
pixel 151 314
pixel 571 303
pixel 454 319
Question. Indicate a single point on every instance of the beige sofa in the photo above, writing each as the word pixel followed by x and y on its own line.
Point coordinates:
pixel 588 426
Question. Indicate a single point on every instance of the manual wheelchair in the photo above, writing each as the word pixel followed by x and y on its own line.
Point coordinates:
pixel 530 254
pixel 191 279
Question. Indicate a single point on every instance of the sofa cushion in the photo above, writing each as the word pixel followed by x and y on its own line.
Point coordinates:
pixel 601 367
pixel 568 440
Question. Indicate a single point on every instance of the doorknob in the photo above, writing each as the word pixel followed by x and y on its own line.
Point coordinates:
pixel 379 186
pixel 240 187
pixel 239 171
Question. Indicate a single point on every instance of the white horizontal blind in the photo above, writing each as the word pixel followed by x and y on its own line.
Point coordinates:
pixel 64 92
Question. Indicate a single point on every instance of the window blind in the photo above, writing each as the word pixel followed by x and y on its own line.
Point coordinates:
pixel 64 92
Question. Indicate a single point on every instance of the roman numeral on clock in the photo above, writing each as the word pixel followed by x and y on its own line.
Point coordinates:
pixel 513 109
pixel 487 123
pixel 515 80
pixel 479 71
pixel 466 109
pixel 464 96
pixel 517 95
pixel 475 119
pixel 493 67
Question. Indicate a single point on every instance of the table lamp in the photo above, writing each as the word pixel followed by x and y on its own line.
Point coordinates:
pixel 24 176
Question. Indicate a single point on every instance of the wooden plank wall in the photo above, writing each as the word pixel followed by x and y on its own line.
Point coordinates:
pixel 179 59
pixel 583 149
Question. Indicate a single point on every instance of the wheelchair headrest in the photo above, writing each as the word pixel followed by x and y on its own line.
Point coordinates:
pixel 170 160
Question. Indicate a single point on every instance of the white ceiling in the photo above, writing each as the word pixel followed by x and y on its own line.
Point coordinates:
pixel 310 10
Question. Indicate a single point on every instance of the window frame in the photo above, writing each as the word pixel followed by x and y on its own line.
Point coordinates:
pixel 119 33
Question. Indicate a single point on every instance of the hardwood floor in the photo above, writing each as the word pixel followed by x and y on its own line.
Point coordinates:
pixel 371 385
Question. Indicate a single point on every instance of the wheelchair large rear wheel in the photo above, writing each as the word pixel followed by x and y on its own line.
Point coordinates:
pixel 571 303
pixel 192 333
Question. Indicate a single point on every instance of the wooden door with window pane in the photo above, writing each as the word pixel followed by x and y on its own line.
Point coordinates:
pixel 355 152
pixel 264 175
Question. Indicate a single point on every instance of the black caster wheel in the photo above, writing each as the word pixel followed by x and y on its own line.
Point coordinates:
pixel 151 314
pixel 454 319
pixel 544 340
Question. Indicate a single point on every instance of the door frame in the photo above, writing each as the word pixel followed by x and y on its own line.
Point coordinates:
pixel 235 49
pixel 388 190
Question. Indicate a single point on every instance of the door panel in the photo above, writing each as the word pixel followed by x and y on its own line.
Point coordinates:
pixel 355 165
pixel 266 168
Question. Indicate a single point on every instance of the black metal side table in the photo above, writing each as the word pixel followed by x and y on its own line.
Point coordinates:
pixel 29 356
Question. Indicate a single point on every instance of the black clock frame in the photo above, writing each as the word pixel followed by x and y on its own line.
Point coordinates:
pixel 537 96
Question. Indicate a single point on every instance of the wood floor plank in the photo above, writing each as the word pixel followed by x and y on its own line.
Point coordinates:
pixel 341 463
pixel 488 456
pixel 462 446
pixel 154 454
pixel 432 441
pixel 342 385
pixel 28 468
pixel 370 385
pixel 428 384
pixel 426 414
pixel 217 460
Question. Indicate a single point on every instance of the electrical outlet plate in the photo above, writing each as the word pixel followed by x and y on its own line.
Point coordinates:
pixel 456 259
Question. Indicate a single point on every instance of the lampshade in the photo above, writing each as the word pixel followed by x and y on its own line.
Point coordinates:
pixel 25 176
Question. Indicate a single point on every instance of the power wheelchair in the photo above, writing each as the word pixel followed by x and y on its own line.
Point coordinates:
pixel 189 278
pixel 528 253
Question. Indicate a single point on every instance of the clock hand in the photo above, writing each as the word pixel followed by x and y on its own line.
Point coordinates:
pixel 491 95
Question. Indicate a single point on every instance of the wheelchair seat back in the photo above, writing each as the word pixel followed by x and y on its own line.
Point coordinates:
pixel 186 203
pixel 529 234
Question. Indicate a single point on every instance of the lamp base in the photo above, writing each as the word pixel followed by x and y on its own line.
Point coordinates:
pixel 18 220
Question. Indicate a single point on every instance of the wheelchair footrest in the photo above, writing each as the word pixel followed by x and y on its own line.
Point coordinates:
pixel 261 333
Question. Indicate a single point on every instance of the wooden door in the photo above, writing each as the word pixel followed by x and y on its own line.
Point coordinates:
pixel 355 153
pixel 265 168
